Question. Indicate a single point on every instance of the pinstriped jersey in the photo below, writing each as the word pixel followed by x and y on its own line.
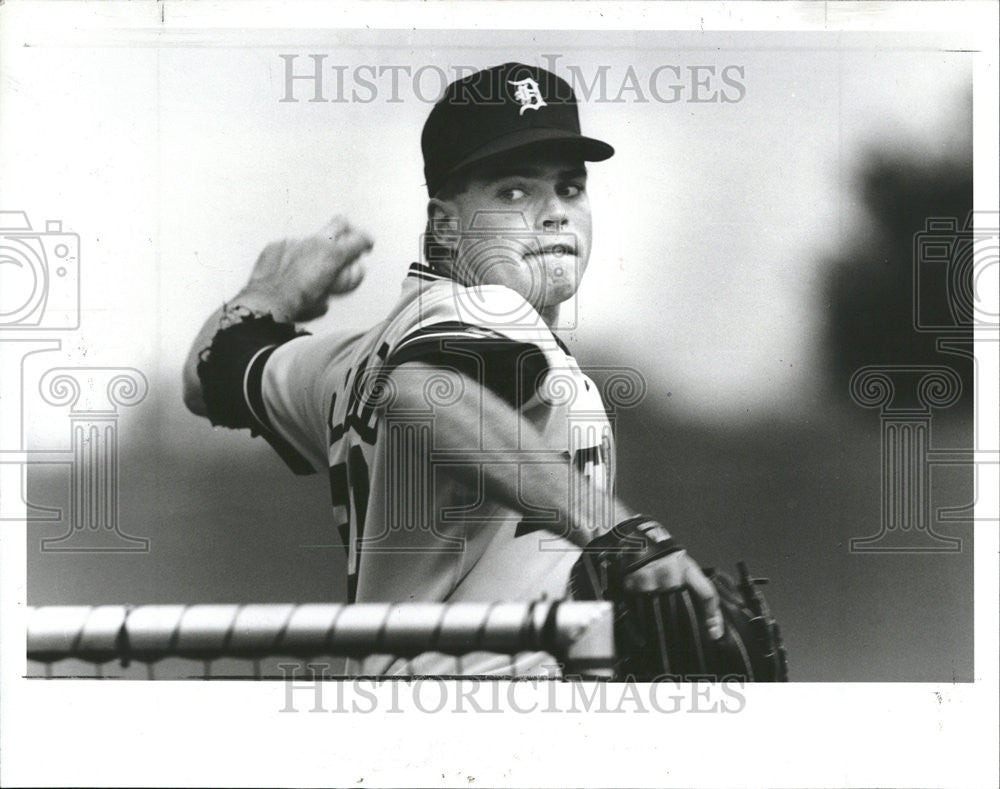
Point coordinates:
pixel 412 531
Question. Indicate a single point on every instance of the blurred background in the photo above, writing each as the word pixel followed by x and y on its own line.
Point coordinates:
pixel 753 248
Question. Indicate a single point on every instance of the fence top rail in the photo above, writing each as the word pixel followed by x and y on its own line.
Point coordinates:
pixel 147 633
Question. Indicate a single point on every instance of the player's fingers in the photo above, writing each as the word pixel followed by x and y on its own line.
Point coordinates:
pixel 350 245
pixel 348 278
pixel 640 581
pixel 658 576
pixel 709 595
pixel 337 226
pixel 340 227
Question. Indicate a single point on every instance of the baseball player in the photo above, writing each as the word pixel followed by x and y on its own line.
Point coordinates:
pixel 469 457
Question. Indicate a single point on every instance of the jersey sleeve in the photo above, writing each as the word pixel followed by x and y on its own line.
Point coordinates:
pixel 510 368
pixel 298 386
pixel 488 333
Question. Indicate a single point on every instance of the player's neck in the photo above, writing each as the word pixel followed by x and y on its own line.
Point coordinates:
pixel 550 315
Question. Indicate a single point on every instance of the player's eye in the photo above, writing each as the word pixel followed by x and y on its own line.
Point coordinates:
pixel 571 190
pixel 512 193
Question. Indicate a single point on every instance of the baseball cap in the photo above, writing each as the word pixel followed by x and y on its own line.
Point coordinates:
pixel 498 110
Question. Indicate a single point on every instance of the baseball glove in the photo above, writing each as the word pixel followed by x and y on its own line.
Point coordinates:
pixel 663 635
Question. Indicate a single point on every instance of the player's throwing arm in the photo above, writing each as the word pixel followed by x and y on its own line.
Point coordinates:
pixel 292 281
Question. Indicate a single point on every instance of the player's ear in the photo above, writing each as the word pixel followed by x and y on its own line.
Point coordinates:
pixel 443 223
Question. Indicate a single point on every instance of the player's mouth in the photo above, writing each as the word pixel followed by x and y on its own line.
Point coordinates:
pixel 556 250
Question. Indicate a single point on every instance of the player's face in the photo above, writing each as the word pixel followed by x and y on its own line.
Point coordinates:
pixel 525 224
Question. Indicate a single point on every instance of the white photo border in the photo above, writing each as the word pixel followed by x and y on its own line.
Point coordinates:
pixel 197 733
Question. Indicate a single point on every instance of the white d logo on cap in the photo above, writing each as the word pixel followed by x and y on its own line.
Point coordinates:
pixel 527 92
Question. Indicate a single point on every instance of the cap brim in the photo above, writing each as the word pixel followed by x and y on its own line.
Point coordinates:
pixel 587 148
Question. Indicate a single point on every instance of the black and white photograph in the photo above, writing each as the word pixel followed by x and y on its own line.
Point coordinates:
pixel 409 393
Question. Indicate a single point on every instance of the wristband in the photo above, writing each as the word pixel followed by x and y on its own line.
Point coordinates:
pixel 223 366
pixel 636 542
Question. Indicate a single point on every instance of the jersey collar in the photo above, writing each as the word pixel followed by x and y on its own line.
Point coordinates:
pixel 421 272
pixel 424 272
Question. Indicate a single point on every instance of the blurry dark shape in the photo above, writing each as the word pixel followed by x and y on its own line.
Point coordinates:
pixel 874 315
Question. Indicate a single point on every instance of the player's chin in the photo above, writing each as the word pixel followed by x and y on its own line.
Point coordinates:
pixel 558 290
pixel 554 280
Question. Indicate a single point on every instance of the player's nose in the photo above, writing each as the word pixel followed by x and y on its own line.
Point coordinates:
pixel 553 216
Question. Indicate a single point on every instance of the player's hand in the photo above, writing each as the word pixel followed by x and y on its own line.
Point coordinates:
pixel 298 276
pixel 675 571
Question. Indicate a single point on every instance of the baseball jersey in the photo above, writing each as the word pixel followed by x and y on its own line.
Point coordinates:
pixel 413 531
